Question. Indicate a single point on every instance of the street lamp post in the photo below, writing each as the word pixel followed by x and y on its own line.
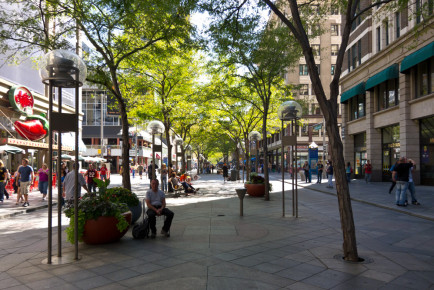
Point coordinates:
pixel 255 136
pixel 155 127
pixel 289 111
pixel 188 151
pixel 178 142
pixel 62 69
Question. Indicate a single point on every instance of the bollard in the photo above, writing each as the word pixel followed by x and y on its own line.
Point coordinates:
pixel 241 193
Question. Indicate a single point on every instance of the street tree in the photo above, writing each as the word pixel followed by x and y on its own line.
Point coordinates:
pixel 114 30
pixel 259 51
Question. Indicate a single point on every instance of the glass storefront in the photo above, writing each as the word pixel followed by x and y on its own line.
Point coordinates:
pixel 427 151
pixel 359 154
pixel 391 149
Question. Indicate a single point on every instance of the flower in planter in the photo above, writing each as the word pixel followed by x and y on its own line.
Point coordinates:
pixel 258 179
pixel 122 195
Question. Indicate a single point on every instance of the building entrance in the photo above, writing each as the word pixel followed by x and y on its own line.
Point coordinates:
pixel 427 151
pixel 391 149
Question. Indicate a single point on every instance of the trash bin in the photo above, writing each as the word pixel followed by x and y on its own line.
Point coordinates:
pixel 234 175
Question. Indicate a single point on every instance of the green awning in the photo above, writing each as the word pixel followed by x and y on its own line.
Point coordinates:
pixel 417 57
pixel 354 91
pixel 392 72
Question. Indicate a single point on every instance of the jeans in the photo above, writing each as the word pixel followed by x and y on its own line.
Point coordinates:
pixel 348 177
pixel 91 186
pixel 164 185
pixel 43 187
pixel 319 177
pixel 412 190
pixel 368 177
pixel 401 192
pixel 152 216
pixel 2 191
pixel 307 174
pixel 103 177
pixel 330 180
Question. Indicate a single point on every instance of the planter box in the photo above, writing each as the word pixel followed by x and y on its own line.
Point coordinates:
pixel 256 190
pixel 103 230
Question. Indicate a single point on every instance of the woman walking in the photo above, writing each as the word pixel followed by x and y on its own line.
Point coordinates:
pixel 43 181
pixel 348 171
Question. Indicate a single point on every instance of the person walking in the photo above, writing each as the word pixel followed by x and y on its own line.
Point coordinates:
pixel 69 185
pixel 91 174
pixel 225 172
pixel 43 181
pixel 16 186
pixel 152 168
pixel 393 182
pixel 163 173
pixel 4 174
pixel 103 172
pixel 306 168
pixel 330 175
pixel 320 168
pixel 411 186
pixel 25 176
pixel 140 170
pixel 133 170
pixel 368 171
pixel 348 171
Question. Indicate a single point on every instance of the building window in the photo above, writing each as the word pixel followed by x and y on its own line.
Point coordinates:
pixel 334 49
pixel 318 68
pixel 357 107
pixel 397 25
pixel 430 7
pixel 304 89
pixel 418 11
pixel 425 78
pixel 387 94
pixel 358 20
pixel 303 70
pixel 93 112
pixel 316 50
pixel 334 29
pixel 333 69
pixel 378 39
pixel 386 31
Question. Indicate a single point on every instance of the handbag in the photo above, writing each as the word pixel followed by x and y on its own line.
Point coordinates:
pixel 141 230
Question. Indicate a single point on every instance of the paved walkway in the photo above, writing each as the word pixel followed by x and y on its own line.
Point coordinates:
pixel 212 247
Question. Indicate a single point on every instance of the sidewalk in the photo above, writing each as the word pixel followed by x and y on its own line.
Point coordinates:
pixel 212 247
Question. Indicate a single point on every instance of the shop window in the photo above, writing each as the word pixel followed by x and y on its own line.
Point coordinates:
pixel 334 49
pixel 334 29
pixel 357 107
pixel 387 94
pixel 425 78
pixel 303 70
pixel 397 25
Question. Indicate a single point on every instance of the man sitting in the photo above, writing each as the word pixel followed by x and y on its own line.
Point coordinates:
pixel 156 203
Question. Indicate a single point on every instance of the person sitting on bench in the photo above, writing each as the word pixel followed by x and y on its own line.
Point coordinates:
pixel 156 203
pixel 188 187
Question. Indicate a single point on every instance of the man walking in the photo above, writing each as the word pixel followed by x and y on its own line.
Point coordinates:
pixel 320 168
pixel 25 176
pixel 69 185
pixel 156 203
pixel 91 174
pixel 368 171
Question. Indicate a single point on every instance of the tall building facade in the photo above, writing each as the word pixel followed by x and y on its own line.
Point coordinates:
pixel 388 90
pixel 325 48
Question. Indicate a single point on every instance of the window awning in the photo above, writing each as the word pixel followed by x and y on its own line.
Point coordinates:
pixel 392 72
pixel 354 91
pixel 417 57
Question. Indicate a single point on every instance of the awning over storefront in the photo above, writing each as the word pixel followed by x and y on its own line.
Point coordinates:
pixel 392 72
pixel 417 57
pixel 354 91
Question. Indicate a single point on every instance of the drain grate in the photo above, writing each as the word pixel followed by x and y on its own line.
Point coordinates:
pixel 220 215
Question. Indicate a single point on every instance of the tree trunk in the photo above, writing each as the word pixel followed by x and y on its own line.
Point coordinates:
pixel 264 147
pixel 248 158
pixel 125 146
pixel 169 145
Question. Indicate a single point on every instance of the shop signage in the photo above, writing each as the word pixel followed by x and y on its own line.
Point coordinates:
pixel 393 145
pixel 27 143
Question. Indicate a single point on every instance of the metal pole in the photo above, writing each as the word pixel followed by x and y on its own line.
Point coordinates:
pixel 50 173
pixel 296 179
pixel 153 157
pixel 282 167
pixel 76 170
pixel 294 170
pixel 102 126
pixel 59 182
pixel 161 165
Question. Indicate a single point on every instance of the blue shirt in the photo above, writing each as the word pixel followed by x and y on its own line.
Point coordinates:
pixel 25 173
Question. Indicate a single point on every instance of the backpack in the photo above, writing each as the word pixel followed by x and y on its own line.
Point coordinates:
pixel 141 230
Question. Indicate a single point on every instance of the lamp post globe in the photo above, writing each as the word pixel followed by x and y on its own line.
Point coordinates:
pixel 62 68
pixel 289 110
pixel 155 127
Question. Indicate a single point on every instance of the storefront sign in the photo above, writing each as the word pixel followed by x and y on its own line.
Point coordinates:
pixel 32 144
pixel 393 145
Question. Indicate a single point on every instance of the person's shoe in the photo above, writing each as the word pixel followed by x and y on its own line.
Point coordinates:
pixel 197 189
pixel 415 203
pixel 153 235
pixel 26 204
pixel 1 201
pixel 164 233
